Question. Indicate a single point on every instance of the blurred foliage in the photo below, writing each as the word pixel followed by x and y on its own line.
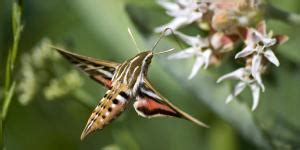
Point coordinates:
pixel 9 83
pixel 99 29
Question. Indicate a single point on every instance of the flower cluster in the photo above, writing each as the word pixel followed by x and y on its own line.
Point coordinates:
pixel 40 78
pixel 226 24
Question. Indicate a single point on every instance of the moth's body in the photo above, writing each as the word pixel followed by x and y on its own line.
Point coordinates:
pixel 128 76
pixel 124 81
pixel 132 71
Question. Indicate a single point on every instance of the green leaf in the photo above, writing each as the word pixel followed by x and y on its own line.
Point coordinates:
pixel 288 50
pixel 109 22
pixel 278 113
pixel 205 88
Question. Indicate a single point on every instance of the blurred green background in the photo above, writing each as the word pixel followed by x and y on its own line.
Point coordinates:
pixel 57 109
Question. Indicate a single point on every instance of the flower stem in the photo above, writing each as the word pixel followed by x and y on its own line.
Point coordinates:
pixel 276 13
pixel 9 87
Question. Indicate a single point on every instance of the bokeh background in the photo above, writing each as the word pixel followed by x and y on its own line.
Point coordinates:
pixel 52 101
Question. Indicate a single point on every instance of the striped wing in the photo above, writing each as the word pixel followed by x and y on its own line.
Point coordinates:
pixel 100 71
pixel 151 104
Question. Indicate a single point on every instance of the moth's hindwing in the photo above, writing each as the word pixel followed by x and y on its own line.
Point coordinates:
pixel 151 104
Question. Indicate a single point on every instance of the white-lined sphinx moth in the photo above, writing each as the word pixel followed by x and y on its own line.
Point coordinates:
pixel 125 81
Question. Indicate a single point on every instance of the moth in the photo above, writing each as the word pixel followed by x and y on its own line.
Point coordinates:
pixel 124 81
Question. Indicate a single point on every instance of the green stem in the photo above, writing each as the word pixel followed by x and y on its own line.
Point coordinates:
pixel 12 54
pixel 17 29
pixel 7 74
pixel 276 13
pixel 7 101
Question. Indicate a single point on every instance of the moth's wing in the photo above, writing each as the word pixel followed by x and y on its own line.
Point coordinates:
pixel 150 103
pixel 99 70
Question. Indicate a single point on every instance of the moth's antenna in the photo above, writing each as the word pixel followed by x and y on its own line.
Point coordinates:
pixel 132 38
pixel 166 51
pixel 163 34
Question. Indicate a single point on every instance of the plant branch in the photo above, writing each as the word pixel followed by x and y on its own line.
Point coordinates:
pixel 276 13
pixel 9 87
pixel 17 29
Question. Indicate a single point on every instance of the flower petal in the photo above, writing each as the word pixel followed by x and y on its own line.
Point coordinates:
pixel 261 27
pixel 237 90
pixel 247 34
pixel 255 68
pixel 186 53
pixel 194 17
pixel 281 39
pixel 216 40
pixel 190 40
pixel 206 55
pixel 255 95
pixel 227 43
pixel 255 36
pixel 245 52
pixel 169 6
pixel 179 13
pixel 174 24
pixel 269 54
pixel 197 65
pixel 269 41
pixel 237 74
pixel 229 98
pixel 184 3
pixel 259 37
pixel 259 82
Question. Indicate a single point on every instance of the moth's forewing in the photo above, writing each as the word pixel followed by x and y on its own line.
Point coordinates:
pixel 99 70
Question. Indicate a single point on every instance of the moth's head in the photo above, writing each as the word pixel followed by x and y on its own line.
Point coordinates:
pixel 148 55
pixel 147 58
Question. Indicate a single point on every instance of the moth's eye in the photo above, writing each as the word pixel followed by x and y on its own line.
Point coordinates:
pixel 149 59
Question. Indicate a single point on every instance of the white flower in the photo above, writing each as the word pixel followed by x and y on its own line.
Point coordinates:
pixel 256 70
pixel 199 49
pixel 259 44
pixel 184 12
pixel 244 75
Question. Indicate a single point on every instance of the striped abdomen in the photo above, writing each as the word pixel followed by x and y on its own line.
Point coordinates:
pixel 110 107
